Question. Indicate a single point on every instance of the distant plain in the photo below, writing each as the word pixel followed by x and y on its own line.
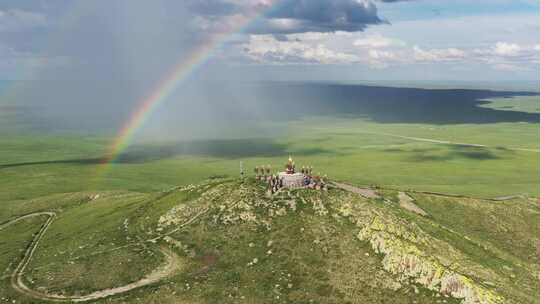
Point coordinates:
pixel 477 142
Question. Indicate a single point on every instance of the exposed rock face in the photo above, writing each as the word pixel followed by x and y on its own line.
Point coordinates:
pixel 408 262
pixel 410 254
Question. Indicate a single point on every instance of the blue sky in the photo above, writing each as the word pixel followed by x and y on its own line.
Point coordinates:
pixel 349 39
pixel 434 9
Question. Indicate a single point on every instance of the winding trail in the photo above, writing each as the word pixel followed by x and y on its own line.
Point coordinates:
pixel 169 268
pixel 447 142
pixel 442 142
pixel 9 223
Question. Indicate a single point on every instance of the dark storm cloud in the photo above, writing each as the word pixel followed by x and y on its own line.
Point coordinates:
pixel 326 12
pixel 297 16
pixel 322 16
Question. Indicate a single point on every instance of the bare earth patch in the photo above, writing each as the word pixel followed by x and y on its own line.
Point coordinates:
pixel 406 202
pixel 365 192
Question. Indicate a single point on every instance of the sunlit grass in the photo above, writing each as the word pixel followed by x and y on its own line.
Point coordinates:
pixel 351 150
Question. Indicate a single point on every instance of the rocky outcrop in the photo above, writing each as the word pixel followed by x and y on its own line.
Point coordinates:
pixel 409 254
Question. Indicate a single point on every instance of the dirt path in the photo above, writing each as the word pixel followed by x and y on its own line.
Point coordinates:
pixel 446 142
pixel 406 202
pixel 431 140
pixel 365 192
pixel 170 267
pixel 173 264
pixel 16 278
pixel 9 223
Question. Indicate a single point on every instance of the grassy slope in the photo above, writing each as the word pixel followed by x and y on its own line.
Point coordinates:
pixel 315 253
pixel 101 225
pixel 502 235
pixel 13 241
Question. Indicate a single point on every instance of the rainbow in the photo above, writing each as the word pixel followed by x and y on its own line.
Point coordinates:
pixel 160 94
pixel 181 71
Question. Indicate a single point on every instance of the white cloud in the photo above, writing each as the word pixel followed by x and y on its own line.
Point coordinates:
pixel 509 57
pixel 507 49
pixel 380 59
pixel 375 41
pixel 309 36
pixel 380 51
pixel 435 55
pixel 509 67
pixel 381 55
pixel 267 49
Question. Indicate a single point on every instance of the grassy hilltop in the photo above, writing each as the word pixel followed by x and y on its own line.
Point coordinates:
pixel 227 242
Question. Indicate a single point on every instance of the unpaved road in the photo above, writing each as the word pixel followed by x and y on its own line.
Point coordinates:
pixel 365 192
pixel 171 266
pixel 406 202
pixel 447 142
pixel 7 224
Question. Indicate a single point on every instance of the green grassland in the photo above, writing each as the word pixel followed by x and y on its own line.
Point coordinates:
pixel 321 252
pixel 517 104
pixel 353 150
pixel 296 247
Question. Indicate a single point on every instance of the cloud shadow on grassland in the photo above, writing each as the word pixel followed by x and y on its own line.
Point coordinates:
pixel 453 152
pixel 287 101
pixel 226 149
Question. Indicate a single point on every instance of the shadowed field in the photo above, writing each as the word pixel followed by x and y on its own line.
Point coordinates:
pixel 458 141
pixel 392 105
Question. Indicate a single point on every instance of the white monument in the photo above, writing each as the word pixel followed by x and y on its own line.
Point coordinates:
pixel 290 178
